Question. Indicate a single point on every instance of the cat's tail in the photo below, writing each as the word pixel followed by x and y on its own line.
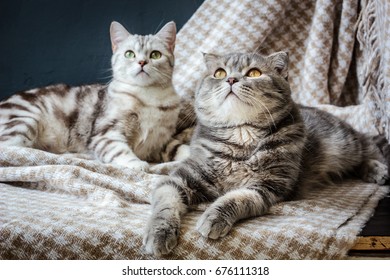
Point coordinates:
pixel 384 146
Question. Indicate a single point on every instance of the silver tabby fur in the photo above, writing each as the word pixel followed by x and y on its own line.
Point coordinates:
pixel 252 148
pixel 127 123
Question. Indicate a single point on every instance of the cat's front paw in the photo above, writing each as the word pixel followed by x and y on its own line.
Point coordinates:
pixel 376 172
pixel 138 165
pixel 164 168
pixel 131 162
pixel 213 225
pixel 160 237
pixel 182 153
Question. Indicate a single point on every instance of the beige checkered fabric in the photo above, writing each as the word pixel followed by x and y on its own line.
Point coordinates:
pixel 329 64
pixel 73 207
pixel 62 207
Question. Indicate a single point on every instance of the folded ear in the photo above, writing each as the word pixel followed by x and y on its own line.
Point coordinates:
pixel 168 35
pixel 279 61
pixel 211 60
pixel 118 34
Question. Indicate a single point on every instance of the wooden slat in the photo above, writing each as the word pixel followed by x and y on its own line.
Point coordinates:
pixel 372 243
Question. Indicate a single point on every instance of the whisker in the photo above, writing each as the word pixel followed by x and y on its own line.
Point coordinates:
pixel 258 105
pixel 272 119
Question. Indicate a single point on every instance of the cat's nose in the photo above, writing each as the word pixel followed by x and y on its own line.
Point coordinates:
pixel 142 63
pixel 231 81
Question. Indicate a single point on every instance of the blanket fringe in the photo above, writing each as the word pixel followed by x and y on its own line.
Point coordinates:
pixel 372 74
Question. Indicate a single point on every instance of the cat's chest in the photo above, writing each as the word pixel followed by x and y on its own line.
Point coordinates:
pixel 153 120
pixel 156 127
pixel 232 174
pixel 244 136
pixel 234 146
pixel 235 161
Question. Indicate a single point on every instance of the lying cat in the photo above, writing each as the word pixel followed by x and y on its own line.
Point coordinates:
pixel 253 147
pixel 127 122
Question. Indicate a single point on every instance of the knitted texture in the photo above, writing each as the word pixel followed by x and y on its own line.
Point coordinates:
pixel 65 207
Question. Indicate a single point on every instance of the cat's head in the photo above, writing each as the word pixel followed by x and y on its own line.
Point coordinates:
pixel 242 88
pixel 143 60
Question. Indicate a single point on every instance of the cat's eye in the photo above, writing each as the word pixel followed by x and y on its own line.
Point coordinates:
pixel 129 54
pixel 220 73
pixel 253 73
pixel 155 55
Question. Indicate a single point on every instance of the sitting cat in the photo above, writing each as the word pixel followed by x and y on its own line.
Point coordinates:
pixel 253 147
pixel 127 122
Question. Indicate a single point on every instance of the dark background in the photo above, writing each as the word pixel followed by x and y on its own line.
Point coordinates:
pixel 44 42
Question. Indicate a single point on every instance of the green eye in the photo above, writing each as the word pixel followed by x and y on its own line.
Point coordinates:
pixel 155 55
pixel 129 54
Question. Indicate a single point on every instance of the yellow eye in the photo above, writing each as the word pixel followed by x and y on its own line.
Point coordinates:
pixel 155 55
pixel 220 73
pixel 129 54
pixel 254 73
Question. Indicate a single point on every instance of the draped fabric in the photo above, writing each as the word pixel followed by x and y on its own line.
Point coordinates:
pixel 339 51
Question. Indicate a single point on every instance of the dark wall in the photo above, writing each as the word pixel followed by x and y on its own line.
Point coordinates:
pixel 45 42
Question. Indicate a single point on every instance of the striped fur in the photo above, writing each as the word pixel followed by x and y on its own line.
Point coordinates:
pixel 253 147
pixel 178 148
pixel 127 122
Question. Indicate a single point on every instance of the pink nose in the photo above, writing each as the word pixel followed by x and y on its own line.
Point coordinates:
pixel 231 81
pixel 142 63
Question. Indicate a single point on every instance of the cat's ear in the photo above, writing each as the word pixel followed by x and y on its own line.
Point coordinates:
pixel 279 61
pixel 211 60
pixel 118 34
pixel 168 35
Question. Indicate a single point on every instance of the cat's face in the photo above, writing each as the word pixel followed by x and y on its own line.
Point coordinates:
pixel 242 88
pixel 143 60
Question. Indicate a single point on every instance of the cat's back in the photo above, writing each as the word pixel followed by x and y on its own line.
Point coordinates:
pixel 332 146
pixel 49 116
pixel 46 99
pixel 327 132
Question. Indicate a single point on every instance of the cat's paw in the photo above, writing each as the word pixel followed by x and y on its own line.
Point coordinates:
pixel 160 237
pixel 131 162
pixel 164 168
pixel 376 172
pixel 182 153
pixel 213 225
pixel 138 165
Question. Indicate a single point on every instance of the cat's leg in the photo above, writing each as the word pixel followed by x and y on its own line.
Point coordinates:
pixel 171 198
pixel 172 156
pixel 18 131
pixel 163 228
pixel 164 168
pixel 112 147
pixel 178 148
pixel 176 151
pixel 235 205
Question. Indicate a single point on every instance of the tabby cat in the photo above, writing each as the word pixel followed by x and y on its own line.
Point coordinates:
pixel 127 122
pixel 252 148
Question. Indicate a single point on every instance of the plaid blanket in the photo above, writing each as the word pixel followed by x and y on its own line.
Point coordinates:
pixel 74 207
